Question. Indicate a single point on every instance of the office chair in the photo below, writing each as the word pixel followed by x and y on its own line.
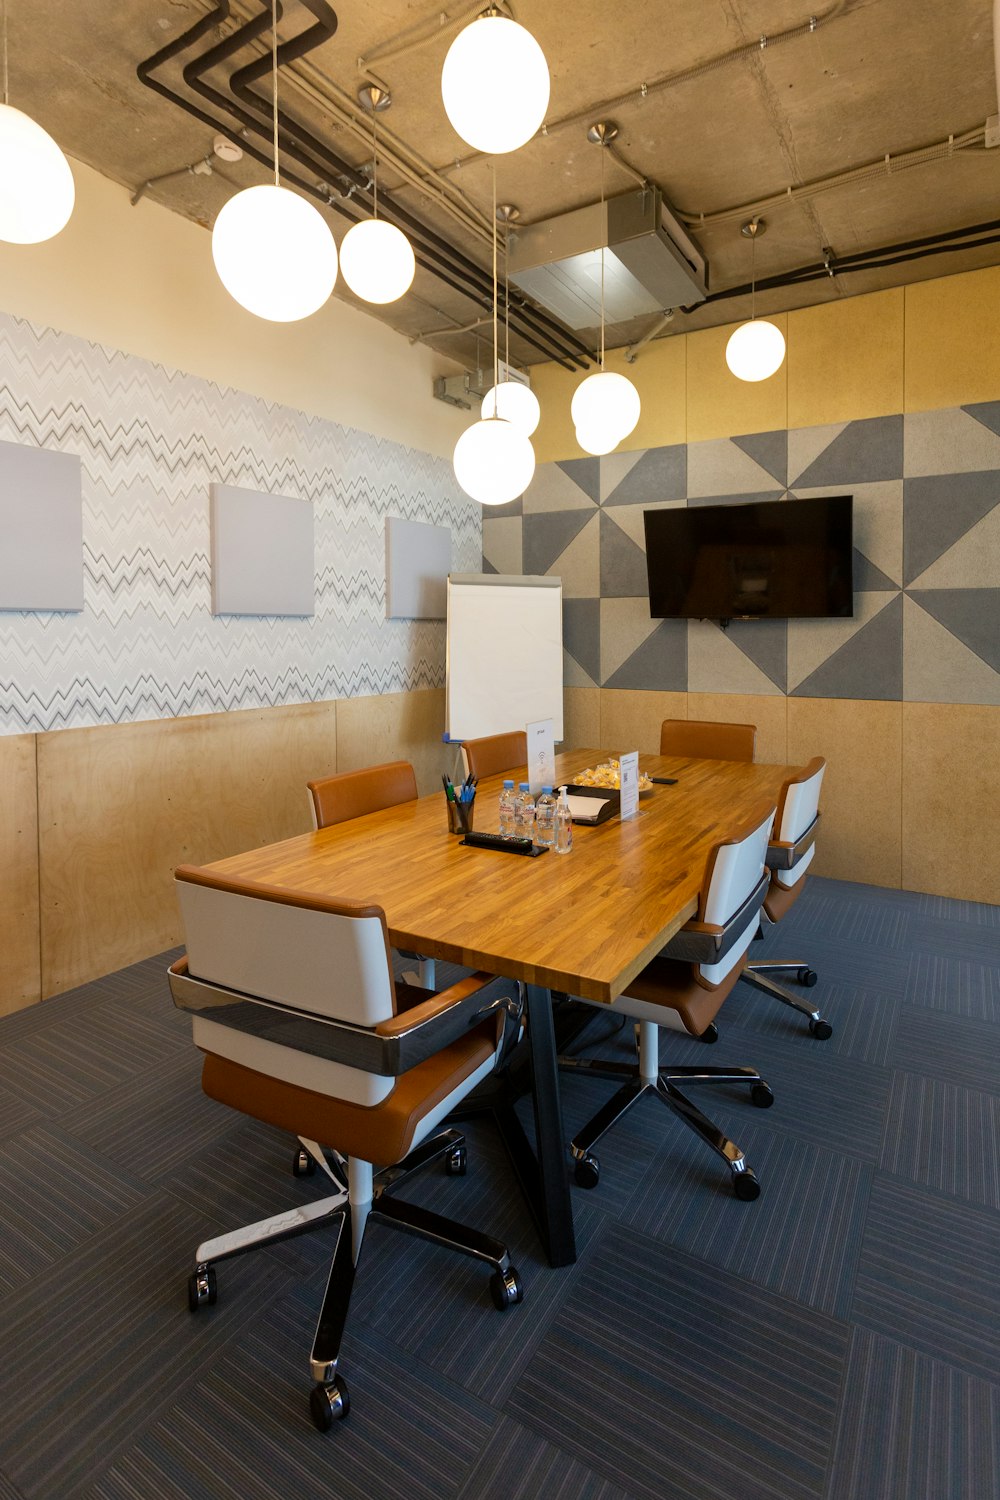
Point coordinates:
pixel 789 855
pixel 294 1005
pixel 352 794
pixel 703 739
pixel 495 753
pixel 687 983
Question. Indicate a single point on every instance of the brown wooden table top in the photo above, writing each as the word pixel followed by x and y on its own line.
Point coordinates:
pixel 585 922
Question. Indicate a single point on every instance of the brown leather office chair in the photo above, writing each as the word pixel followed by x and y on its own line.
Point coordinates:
pixel 294 1005
pixel 789 856
pixel 495 753
pixel 684 987
pixel 705 739
pixel 352 794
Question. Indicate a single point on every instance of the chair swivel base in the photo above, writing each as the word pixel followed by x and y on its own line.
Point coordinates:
pixel 586 1171
pixel 756 975
pixel 329 1400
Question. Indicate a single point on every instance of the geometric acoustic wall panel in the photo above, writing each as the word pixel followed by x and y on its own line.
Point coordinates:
pixel 41 529
pixel 926 623
pixel 263 553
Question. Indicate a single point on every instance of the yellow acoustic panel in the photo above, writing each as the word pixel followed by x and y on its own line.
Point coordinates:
pixel 659 374
pixel 767 713
pixel 631 720
pixel 952 332
pixel 581 717
pixel 719 405
pixel 859 836
pixel 555 436
pixel 20 980
pixel 845 360
pixel 951 800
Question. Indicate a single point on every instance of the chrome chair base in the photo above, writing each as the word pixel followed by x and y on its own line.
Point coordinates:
pixel 330 1401
pixel 756 975
pixel 665 1088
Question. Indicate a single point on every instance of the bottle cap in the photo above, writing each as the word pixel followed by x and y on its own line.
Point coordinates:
pixel 508 783
pixel 547 790
pixel 524 786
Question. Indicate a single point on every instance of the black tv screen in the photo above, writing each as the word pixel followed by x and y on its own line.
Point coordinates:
pixel 763 560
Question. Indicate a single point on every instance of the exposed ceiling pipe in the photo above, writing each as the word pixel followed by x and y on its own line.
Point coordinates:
pixel 666 317
pixel 437 257
pixel 389 49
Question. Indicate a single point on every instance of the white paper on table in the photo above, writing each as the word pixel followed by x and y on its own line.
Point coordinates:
pixel 541 755
pixel 628 781
pixel 585 809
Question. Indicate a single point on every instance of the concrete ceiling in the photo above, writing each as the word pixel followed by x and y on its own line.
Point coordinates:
pixel 873 79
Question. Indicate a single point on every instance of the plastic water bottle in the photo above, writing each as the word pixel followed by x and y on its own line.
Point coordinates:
pixel 563 825
pixel 524 813
pixel 507 799
pixel 545 819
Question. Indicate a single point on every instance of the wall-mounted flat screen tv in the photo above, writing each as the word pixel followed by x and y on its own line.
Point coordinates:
pixel 762 560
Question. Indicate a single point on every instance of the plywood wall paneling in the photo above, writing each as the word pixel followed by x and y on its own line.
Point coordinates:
pixel 861 802
pixel 952 340
pixel 396 726
pixel 768 713
pixel 631 720
pixel 951 800
pixel 845 360
pixel 719 405
pixel 120 806
pixel 581 716
pixel 20 979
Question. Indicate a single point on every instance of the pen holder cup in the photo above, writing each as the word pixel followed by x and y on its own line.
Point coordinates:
pixel 460 817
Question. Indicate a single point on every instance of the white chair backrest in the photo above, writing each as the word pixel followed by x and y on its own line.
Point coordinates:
pixel 737 869
pixel 798 813
pixel 324 962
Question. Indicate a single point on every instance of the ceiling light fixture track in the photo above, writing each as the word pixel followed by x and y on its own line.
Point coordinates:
pixel 433 253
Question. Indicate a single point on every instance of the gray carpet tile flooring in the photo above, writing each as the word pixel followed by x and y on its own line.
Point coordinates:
pixel 837 1339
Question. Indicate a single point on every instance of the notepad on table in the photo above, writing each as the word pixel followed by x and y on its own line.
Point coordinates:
pixel 591 804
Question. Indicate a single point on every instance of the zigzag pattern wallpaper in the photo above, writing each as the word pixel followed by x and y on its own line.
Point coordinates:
pixel 926 625
pixel 151 440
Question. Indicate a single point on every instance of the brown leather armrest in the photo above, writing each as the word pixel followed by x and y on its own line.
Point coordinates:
pixel 434 1006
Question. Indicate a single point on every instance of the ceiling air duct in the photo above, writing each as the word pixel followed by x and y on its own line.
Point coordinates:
pixel 650 262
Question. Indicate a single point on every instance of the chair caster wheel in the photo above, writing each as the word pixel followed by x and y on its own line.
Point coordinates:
pixel 203 1290
pixel 456 1163
pixel 710 1034
pixel 506 1289
pixel 587 1171
pixel 807 977
pixel 303 1164
pixel 329 1403
pixel 746 1187
pixel 820 1029
pixel 761 1095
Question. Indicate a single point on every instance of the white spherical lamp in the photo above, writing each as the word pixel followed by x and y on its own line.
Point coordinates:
pixel 606 402
pixel 494 461
pixel 495 84
pixel 274 253
pixel 597 440
pixel 376 260
pixel 36 185
pixel 515 402
pixel 755 350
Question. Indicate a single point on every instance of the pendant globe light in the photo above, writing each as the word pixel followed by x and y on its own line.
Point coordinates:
pixel 756 349
pixel 37 191
pixel 495 84
pixel 494 461
pixel 511 399
pixel 272 249
pixel 376 258
pixel 606 406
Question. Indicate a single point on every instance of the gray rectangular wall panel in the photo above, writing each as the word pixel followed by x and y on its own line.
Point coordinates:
pixel 263 553
pixel 41 529
pixel 417 564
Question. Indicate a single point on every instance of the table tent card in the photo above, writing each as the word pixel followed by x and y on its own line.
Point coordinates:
pixel 628 774
pixel 541 755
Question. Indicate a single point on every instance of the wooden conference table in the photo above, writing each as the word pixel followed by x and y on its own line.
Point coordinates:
pixel 585 923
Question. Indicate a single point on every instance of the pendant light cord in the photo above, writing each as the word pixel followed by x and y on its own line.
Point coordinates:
pixel 603 238
pixel 506 296
pixel 496 347
pixel 753 273
pixel 374 160
pixel 274 83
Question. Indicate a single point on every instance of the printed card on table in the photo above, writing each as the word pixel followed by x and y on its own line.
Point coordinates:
pixel 541 755
pixel 628 767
